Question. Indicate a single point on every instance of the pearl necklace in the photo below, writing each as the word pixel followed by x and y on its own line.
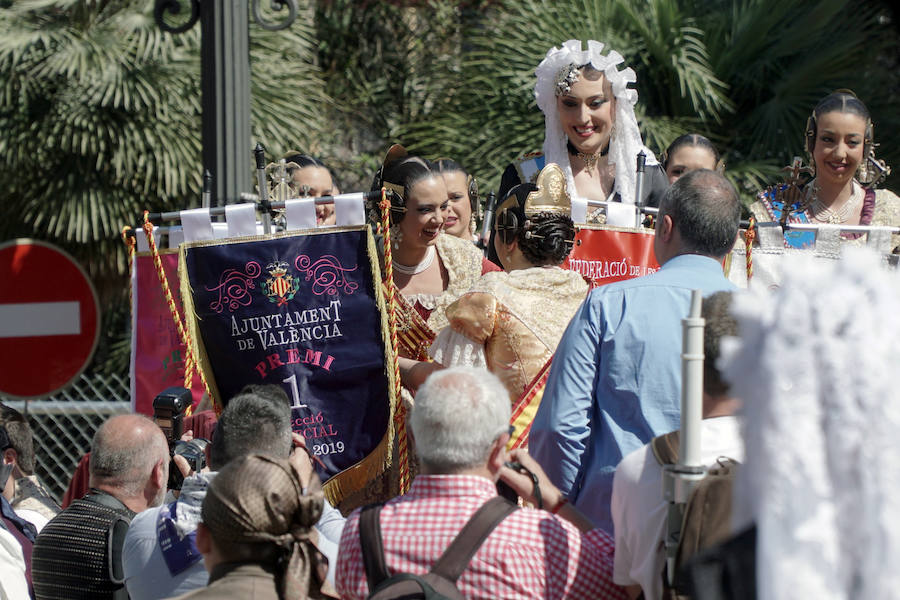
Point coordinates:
pixel 825 214
pixel 416 269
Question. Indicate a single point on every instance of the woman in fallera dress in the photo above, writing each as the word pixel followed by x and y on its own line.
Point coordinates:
pixel 590 129
pixel 511 322
pixel 311 178
pixel 462 192
pixel 687 153
pixel 840 144
pixel 431 268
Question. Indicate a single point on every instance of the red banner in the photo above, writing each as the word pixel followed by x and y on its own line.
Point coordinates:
pixel 157 355
pixel 607 255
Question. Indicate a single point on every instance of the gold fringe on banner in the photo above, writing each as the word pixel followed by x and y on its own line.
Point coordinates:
pixel 357 476
pixel 190 362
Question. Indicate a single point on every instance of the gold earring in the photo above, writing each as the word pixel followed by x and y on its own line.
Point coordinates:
pixel 396 236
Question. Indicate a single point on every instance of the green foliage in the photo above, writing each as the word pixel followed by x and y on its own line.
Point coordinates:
pixel 86 108
pixel 100 114
pixel 746 74
pixel 386 65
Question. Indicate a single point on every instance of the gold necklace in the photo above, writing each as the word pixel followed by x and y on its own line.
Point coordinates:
pixel 590 160
pixel 825 214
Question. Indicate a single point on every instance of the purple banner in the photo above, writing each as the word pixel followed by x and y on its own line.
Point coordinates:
pixel 299 311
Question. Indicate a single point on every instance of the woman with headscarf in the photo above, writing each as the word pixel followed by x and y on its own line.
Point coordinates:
pixel 590 129
pixel 257 534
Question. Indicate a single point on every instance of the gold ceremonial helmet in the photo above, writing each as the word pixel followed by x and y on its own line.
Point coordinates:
pixel 546 195
pixel 551 195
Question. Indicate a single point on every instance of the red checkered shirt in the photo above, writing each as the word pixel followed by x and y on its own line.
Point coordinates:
pixel 531 554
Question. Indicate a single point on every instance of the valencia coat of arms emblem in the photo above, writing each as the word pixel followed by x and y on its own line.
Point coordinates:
pixel 280 287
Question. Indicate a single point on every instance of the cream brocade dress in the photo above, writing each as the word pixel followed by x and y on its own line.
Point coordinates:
pixel 511 323
pixel 421 316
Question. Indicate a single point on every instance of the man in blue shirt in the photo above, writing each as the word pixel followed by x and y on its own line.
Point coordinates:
pixel 615 381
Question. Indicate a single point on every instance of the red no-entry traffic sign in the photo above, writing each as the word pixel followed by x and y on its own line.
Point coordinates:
pixel 49 319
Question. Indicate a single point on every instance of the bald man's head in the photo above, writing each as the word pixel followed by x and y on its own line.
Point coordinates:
pixel 124 454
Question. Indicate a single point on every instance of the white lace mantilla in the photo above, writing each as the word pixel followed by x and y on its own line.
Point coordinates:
pixel 816 368
pixel 626 142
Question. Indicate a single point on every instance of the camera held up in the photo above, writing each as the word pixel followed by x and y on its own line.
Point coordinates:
pixel 169 407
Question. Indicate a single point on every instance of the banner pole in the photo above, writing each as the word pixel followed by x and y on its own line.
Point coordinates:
pixel 388 286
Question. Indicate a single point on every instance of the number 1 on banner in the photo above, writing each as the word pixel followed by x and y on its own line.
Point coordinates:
pixel 295 393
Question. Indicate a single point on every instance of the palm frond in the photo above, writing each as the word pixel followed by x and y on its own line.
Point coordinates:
pixel 101 118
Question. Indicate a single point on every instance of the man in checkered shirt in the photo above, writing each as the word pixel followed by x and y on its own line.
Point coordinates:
pixel 460 424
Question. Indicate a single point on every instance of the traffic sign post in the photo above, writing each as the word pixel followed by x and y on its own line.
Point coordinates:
pixel 49 319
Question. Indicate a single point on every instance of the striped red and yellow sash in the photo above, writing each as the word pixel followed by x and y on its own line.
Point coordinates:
pixel 526 408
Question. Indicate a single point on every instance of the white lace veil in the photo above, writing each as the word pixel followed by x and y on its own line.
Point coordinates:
pixel 816 368
pixel 626 141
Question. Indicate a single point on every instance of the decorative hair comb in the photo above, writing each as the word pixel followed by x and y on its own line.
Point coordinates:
pixel 566 78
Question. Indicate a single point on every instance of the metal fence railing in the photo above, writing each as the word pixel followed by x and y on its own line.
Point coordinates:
pixel 64 424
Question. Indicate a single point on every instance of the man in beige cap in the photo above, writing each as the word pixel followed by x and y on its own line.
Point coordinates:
pixel 257 532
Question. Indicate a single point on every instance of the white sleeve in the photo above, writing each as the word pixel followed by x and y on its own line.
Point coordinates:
pixel 639 514
pixel 453 349
pixel 12 568
pixel 330 528
pixel 622 560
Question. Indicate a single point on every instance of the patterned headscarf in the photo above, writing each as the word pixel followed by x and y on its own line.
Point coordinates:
pixel 258 499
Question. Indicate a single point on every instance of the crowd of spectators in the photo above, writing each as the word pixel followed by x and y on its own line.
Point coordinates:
pixel 591 517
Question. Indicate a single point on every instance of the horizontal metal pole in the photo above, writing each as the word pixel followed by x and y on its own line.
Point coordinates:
pixel 216 211
pixel 844 228
pixel 376 195
pixel 69 407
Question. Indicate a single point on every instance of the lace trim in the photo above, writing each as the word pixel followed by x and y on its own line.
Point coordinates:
pixel 463 263
pixel 887 212
pixel 453 349
pixel 527 293
pixel 625 144
pixel 426 301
